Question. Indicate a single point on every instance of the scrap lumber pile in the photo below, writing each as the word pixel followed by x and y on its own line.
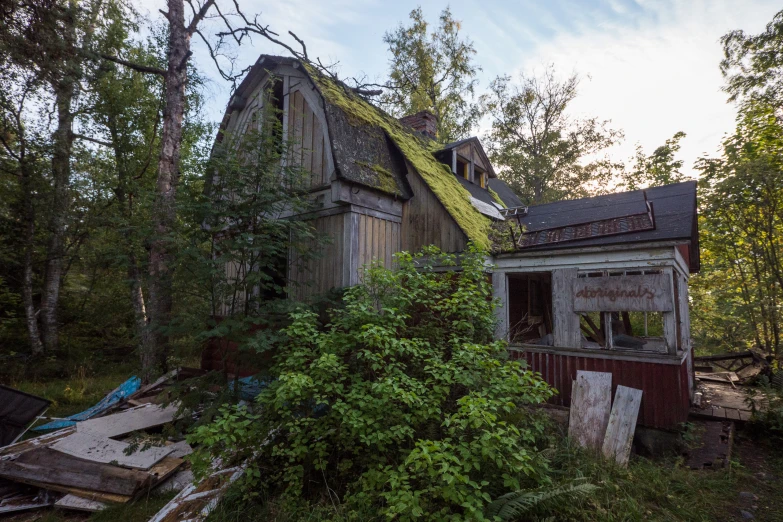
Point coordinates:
pixel 730 368
pixel 99 457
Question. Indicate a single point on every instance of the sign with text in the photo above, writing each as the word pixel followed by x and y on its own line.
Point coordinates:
pixel 634 293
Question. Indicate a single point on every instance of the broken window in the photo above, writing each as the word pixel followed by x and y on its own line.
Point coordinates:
pixel 530 308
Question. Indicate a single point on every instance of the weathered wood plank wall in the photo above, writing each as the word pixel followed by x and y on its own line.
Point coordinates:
pixel 307 139
pixel 379 239
pixel 425 221
pixel 319 275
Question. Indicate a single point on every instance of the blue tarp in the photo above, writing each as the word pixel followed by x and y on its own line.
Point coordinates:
pixel 124 390
pixel 249 387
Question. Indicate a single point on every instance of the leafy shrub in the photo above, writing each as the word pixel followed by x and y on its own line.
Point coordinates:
pixel 403 401
pixel 766 404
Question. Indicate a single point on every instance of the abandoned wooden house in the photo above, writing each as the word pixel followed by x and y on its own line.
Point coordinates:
pixel 592 284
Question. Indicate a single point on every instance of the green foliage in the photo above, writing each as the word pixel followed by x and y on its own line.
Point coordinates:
pixel 433 72
pixel 657 169
pixel 516 504
pixel 540 149
pixel 752 63
pixel 766 404
pixel 403 401
pixel 740 290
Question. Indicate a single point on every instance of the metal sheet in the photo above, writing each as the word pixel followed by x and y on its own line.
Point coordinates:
pixel 17 410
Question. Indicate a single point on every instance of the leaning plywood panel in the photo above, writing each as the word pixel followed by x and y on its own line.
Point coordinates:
pixel 591 400
pixel 97 448
pixel 622 424
pixel 133 419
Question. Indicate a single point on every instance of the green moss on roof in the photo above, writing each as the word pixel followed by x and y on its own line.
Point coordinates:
pixel 496 198
pixel 386 180
pixel 435 174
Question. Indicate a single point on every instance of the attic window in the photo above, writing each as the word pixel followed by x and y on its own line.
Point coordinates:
pixel 463 169
pixel 480 176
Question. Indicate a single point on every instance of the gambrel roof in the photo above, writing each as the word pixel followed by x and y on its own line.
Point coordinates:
pixel 372 148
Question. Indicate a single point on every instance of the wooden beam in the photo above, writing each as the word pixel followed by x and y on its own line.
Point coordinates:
pixel 566 322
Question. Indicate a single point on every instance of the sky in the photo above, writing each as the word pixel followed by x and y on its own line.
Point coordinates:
pixel 651 67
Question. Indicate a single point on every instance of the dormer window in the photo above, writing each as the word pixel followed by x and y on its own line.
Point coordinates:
pixel 480 177
pixel 463 168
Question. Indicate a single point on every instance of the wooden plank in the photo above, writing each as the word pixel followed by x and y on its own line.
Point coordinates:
pixel 37 442
pixel 591 399
pixel 96 448
pixel 307 144
pixel 84 493
pixel 622 424
pixel 76 503
pixel 132 419
pixel 318 152
pixel 164 469
pixel 195 502
pixel 52 467
pixel 566 323
pixel 636 293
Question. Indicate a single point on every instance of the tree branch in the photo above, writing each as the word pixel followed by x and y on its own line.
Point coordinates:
pixel 134 66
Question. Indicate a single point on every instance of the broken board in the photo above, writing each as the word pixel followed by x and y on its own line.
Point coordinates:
pixel 622 424
pixel 127 421
pixel 591 400
pixel 71 501
pixel 52 467
pixel 195 502
pixel 95 448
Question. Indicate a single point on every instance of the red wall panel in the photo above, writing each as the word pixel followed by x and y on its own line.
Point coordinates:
pixel 665 394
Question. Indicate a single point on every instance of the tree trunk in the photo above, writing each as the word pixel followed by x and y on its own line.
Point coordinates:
pixel 30 314
pixel 61 174
pixel 164 211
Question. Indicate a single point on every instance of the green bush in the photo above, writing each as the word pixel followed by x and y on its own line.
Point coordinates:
pixel 403 401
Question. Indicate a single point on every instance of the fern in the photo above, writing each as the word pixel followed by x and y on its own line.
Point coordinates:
pixel 517 503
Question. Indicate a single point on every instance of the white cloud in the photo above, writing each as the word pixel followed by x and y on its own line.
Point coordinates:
pixel 654 71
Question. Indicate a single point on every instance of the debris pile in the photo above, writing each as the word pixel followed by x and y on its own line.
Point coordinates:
pixel 104 455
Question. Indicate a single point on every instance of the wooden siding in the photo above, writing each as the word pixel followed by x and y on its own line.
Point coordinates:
pixel 379 239
pixel 425 221
pixel 234 272
pixel 317 276
pixel 665 387
pixel 307 140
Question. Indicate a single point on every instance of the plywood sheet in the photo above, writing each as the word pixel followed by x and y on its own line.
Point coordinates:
pixel 591 400
pixel 97 448
pixel 71 501
pixel 133 419
pixel 622 424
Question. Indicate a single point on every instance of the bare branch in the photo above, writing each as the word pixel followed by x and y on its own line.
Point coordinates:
pixel 93 140
pixel 134 66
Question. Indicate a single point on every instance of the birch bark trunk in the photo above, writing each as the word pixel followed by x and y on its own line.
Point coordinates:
pixel 161 252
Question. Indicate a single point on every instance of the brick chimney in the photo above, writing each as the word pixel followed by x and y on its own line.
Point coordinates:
pixel 423 122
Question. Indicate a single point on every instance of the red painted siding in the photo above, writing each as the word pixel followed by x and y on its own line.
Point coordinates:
pixel 665 397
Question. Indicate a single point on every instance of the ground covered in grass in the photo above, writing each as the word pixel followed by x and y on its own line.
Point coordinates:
pixel 661 490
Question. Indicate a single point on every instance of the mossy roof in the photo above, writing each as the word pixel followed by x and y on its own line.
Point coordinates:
pixel 416 150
